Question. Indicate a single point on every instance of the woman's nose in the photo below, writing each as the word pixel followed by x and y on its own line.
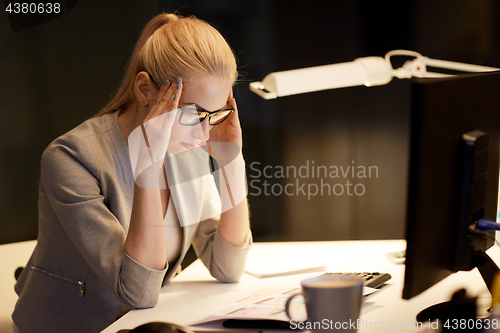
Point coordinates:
pixel 202 131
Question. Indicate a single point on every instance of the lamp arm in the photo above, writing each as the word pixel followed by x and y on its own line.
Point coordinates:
pixel 368 71
pixel 457 65
pixel 418 66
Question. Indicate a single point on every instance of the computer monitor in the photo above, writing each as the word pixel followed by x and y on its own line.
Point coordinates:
pixel 453 177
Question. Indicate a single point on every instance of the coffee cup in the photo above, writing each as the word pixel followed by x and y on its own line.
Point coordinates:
pixel 333 303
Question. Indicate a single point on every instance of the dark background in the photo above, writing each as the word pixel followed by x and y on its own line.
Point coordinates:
pixel 55 75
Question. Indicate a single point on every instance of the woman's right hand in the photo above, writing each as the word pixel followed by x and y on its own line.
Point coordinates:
pixel 167 99
pixel 148 143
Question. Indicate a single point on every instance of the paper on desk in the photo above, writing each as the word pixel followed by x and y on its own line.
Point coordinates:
pixel 262 304
pixel 285 266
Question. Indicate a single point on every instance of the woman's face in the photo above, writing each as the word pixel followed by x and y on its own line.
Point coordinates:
pixel 209 93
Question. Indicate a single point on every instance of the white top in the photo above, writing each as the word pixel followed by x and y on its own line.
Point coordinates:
pixel 173 233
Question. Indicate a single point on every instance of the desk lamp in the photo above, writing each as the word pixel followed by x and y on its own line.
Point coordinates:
pixel 368 71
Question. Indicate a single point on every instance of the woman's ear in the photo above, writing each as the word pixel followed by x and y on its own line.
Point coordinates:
pixel 142 89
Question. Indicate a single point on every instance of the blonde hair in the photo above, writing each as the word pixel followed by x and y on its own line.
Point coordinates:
pixel 173 46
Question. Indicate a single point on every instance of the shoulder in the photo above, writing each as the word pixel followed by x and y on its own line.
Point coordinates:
pixel 78 146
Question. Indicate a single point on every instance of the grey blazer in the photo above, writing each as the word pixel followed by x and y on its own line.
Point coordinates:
pixel 79 278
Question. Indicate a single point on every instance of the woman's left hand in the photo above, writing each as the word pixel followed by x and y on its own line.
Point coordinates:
pixel 227 132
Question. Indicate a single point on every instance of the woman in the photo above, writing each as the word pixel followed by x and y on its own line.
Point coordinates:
pixel 107 193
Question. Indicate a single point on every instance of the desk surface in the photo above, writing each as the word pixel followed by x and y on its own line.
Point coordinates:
pixel 194 290
pixel 12 256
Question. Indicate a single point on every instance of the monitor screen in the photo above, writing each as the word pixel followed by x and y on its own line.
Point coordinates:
pixel 453 175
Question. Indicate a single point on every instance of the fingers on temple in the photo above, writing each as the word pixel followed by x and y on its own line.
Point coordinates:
pixel 167 99
pixel 170 100
pixel 177 89
pixel 162 93
pixel 155 110
pixel 232 102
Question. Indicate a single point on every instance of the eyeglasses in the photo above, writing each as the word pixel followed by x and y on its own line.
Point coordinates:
pixel 151 78
pixel 191 116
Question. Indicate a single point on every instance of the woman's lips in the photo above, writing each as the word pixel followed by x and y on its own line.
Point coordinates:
pixel 188 145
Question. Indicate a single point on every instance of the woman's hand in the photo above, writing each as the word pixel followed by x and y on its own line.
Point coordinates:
pixel 230 129
pixel 167 99
pixel 157 125
pixel 145 241
pixel 227 132
pixel 148 143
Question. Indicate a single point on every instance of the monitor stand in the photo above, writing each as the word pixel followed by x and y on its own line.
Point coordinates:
pixel 460 306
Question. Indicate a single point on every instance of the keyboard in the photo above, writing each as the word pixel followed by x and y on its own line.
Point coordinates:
pixel 372 280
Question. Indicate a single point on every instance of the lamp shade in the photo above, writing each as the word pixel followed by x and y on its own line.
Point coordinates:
pixel 368 71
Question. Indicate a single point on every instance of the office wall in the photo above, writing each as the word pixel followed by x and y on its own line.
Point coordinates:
pixel 56 75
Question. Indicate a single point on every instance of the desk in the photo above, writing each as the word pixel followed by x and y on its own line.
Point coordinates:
pixel 194 290
pixel 12 256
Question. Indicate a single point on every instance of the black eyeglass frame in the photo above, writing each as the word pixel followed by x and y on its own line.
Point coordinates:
pixel 208 114
pixel 151 78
